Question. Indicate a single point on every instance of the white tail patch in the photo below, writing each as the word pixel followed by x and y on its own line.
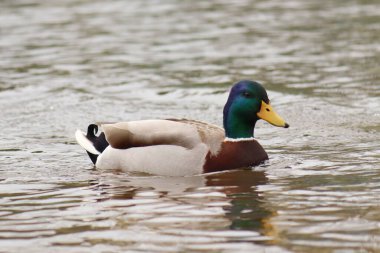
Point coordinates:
pixel 85 143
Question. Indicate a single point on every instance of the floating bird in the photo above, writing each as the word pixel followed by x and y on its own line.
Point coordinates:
pixel 179 147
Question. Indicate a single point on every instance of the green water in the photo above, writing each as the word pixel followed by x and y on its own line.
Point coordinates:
pixel 65 64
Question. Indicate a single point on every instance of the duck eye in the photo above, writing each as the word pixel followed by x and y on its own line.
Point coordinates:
pixel 247 94
pixel 267 109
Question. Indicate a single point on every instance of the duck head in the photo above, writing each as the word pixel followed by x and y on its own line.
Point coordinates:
pixel 247 103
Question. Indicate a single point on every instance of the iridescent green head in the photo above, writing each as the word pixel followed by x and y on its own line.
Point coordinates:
pixel 248 102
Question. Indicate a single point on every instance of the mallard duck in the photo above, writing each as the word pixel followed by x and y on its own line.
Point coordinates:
pixel 179 147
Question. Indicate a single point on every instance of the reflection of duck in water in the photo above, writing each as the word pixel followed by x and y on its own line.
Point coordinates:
pixel 178 147
pixel 230 200
pixel 247 210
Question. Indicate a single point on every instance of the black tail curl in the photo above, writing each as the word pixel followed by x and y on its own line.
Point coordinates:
pixel 99 141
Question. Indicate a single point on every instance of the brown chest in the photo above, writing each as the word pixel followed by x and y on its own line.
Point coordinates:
pixel 235 154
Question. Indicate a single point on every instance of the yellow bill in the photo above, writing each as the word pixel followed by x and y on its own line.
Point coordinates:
pixel 268 114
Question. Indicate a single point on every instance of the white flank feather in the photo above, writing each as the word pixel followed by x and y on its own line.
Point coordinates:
pixel 164 160
pixel 85 143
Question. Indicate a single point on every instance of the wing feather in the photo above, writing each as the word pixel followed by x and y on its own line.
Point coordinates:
pixel 181 132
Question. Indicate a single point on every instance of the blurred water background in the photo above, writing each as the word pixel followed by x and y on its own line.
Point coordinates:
pixel 64 64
